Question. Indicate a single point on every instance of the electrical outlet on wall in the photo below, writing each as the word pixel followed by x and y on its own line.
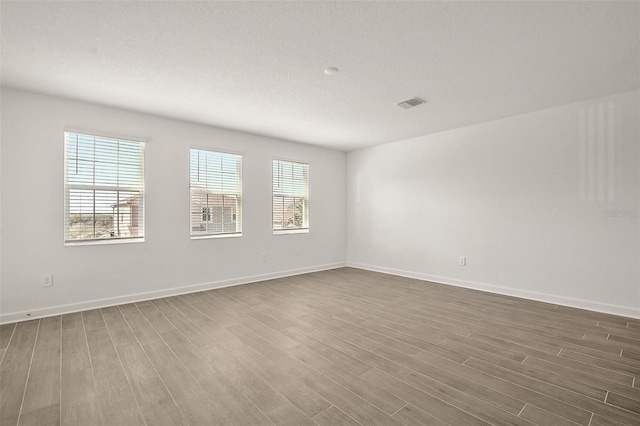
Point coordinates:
pixel 462 261
pixel 265 257
pixel 47 280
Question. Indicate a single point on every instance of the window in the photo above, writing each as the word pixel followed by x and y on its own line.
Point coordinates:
pixel 103 189
pixel 290 197
pixel 216 193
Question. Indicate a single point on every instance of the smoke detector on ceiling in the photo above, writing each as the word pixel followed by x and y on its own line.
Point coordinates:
pixel 410 103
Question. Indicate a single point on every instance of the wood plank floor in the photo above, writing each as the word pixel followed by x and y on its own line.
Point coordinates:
pixel 339 347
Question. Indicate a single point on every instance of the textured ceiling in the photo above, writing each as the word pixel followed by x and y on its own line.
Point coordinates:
pixel 258 66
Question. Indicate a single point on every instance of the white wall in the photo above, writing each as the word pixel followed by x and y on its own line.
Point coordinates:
pixel 86 276
pixel 523 198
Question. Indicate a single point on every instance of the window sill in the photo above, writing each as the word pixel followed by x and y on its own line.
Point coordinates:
pixel 103 241
pixel 215 236
pixel 290 231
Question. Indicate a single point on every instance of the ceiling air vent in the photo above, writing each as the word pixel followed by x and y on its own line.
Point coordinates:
pixel 410 103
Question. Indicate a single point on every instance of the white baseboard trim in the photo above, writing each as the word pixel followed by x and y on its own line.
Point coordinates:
pixel 7 318
pixel 525 294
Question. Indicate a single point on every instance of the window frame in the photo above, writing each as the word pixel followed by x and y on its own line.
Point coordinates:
pixel 140 190
pixel 304 229
pixel 239 197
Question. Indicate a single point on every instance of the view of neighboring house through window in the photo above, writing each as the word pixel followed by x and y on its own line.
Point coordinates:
pixel 290 197
pixel 104 188
pixel 216 193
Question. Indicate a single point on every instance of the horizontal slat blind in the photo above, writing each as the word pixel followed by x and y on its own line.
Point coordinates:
pixel 290 206
pixel 104 188
pixel 216 193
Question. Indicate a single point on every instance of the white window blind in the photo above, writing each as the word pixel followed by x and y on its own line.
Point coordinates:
pixel 216 193
pixel 290 196
pixel 104 188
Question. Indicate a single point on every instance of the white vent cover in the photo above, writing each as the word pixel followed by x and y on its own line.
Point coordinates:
pixel 410 103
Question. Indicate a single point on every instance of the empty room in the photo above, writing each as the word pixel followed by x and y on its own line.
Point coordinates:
pixel 320 213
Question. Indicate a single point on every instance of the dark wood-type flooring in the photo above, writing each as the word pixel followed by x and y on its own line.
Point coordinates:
pixel 339 347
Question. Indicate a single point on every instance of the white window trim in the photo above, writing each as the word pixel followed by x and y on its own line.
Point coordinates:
pixel 66 187
pixel 302 230
pixel 239 194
